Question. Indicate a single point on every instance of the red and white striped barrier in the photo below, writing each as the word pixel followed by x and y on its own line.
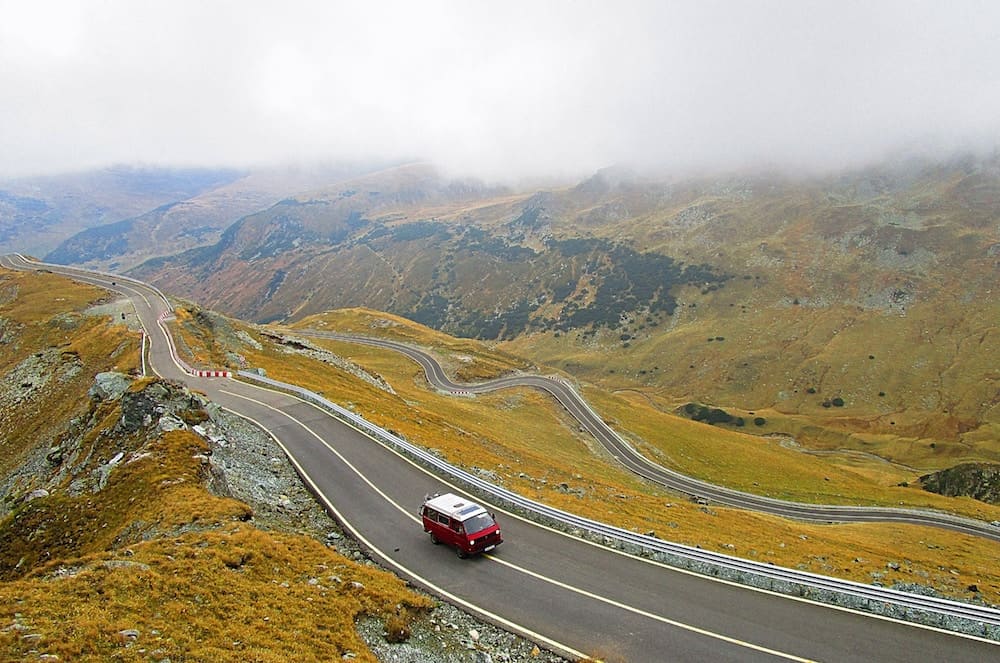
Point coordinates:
pixel 213 374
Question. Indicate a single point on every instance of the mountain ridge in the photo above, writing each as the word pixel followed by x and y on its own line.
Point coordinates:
pixel 874 288
pixel 37 213
pixel 185 222
pixel 763 296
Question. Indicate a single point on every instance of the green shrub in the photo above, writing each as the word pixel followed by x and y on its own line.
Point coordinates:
pixel 708 415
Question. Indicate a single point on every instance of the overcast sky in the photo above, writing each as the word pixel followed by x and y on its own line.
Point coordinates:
pixel 493 89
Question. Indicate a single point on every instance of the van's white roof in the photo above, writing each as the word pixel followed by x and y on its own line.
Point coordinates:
pixel 455 506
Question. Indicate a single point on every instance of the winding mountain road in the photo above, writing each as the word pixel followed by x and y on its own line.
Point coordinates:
pixel 574 597
pixel 629 457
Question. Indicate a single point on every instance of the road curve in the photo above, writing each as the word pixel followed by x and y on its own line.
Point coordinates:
pixel 572 596
pixel 630 458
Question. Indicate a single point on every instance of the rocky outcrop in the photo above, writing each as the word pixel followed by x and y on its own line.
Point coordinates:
pixel 109 386
pixel 978 480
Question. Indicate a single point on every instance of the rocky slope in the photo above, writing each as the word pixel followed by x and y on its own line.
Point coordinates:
pixel 68 517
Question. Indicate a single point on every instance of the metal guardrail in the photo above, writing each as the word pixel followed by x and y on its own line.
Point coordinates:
pixel 968 618
pixel 631 459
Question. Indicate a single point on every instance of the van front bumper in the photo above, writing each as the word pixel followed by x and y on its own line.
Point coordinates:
pixel 485 546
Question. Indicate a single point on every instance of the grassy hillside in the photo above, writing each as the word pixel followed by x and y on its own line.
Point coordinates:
pixel 524 441
pixel 54 337
pixel 854 310
pixel 134 558
pixel 875 294
pixel 914 391
pixel 154 565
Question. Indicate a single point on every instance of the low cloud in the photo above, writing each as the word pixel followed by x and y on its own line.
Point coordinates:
pixel 497 90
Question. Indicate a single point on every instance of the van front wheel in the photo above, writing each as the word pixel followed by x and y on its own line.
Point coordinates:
pixel 434 539
pixel 461 553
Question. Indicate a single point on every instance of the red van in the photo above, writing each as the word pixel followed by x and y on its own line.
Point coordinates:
pixel 457 522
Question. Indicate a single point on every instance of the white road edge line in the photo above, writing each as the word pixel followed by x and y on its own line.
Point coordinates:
pixel 648 561
pixel 675 569
pixel 407 514
pixel 650 615
pixel 538 637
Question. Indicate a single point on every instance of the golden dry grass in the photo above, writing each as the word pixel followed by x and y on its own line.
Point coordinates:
pixel 153 566
pixel 532 447
pixel 466 359
pixel 155 552
pixel 236 594
pixel 915 386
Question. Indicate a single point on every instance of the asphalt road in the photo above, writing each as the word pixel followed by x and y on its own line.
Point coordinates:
pixel 573 597
pixel 639 464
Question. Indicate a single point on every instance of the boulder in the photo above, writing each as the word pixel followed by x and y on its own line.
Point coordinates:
pixel 36 494
pixel 169 422
pixel 109 386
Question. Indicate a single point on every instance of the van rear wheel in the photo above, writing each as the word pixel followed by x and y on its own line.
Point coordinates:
pixel 434 539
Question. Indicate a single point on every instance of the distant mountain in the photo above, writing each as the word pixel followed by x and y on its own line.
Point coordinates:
pixel 977 480
pixel 869 296
pixel 352 216
pixel 37 213
pixel 190 221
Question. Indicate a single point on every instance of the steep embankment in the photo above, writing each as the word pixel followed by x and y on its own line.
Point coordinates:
pixel 141 522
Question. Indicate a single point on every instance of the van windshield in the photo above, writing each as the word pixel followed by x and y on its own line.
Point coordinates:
pixel 478 523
